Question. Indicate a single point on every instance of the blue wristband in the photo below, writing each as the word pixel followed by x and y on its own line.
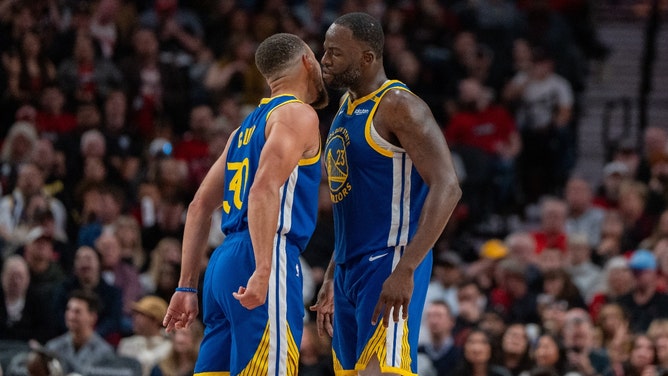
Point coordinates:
pixel 186 289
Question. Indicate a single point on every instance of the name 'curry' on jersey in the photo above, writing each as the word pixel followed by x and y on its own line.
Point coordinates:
pixel 381 211
pixel 299 195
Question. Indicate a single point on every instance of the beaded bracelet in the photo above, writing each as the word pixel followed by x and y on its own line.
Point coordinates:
pixel 186 289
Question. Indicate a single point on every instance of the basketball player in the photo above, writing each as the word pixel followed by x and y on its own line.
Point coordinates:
pixel 394 188
pixel 268 178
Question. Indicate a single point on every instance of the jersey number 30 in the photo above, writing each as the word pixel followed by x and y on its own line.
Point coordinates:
pixel 239 172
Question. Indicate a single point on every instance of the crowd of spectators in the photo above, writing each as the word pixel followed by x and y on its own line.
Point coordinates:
pixel 112 111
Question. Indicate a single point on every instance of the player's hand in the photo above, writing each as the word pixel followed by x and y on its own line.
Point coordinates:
pixel 181 312
pixel 255 292
pixel 324 307
pixel 394 297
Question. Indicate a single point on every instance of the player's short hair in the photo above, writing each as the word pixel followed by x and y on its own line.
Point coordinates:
pixel 365 29
pixel 277 53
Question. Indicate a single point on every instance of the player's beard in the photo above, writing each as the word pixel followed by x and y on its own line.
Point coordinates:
pixel 322 98
pixel 345 79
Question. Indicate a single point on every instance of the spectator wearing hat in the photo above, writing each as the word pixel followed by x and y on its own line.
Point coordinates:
pixel 645 302
pixel 607 194
pixel 148 344
pixel 45 272
pixel 483 269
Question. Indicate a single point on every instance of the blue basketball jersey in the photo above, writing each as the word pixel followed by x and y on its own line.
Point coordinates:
pixel 299 194
pixel 376 192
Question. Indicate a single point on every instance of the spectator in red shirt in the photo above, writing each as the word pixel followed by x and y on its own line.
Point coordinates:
pixel 552 230
pixel 52 119
pixel 194 147
pixel 484 135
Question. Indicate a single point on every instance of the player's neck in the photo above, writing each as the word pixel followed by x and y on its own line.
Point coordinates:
pixel 368 85
pixel 289 85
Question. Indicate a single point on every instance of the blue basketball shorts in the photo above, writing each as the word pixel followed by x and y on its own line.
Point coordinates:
pixel 357 287
pixel 262 341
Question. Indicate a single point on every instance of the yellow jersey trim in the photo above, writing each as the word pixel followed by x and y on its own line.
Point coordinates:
pixel 259 363
pixel 312 160
pixel 286 102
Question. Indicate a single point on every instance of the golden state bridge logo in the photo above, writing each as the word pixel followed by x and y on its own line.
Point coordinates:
pixel 337 165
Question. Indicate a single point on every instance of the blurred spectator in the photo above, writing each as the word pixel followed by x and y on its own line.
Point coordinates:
pixel 485 268
pixel 85 77
pixel 618 280
pixel 53 119
pixel 477 357
pixel 447 273
pixel 551 232
pixel 583 272
pixel 194 145
pixel 439 343
pixel 45 272
pixel 18 209
pixel 583 216
pixel 128 232
pixel 315 353
pixel 185 347
pixel 513 297
pixel 155 88
pixel 659 232
pixel 179 30
pixel 638 221
pixel 472 304
pixel 17 148
pixel 147 344
pixel 644 303
pixel 543 117
pixel 614 173
pixel 642 357
pixel 100 215
pixel 658 333
pixel 123 144
pixel 612 233
pixel 29 71
pixel 514 352
pixel 163 272
pixel 81 346
pixel 558 285
pixel 613 334
pixel 87 276
pixel 118 273
pixel 654 142
pixel 550 354
pixel 103 27
pixel 235 73
pixel 521 247
pixel 484 135
pixel 581 355
pixel 24 310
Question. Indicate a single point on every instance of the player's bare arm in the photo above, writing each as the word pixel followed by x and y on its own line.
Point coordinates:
pixel 405 120
pixel 292 134
pixel 183 308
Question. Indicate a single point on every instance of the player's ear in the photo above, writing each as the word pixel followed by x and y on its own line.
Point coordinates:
pixel 368 57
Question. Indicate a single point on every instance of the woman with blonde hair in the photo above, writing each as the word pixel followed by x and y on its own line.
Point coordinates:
pixel 185 349
pixel 163 272
pixel 658 333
